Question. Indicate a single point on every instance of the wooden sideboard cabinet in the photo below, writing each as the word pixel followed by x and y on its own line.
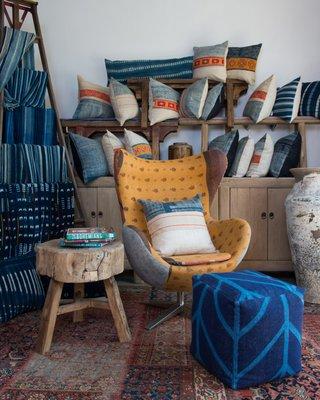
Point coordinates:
pixel 260 201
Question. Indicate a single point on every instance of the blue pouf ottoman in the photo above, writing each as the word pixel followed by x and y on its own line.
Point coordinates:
pixel 246 327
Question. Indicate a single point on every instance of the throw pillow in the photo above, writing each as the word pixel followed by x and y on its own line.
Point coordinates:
pixel 243 157
pixel 310 100
pixel 137 145
pixel 226 143
pixel 286 155
pixel 287 101
pixel 242 63
pixel 132 69
pixel 94 101
pixel 177 227
pixel 193 99
pixel 110 143
pixel 260 103
pixel 124 103
pixel 89 159
pixel 163 102
pixel 210 62
pixel 261 159
pixel 214 102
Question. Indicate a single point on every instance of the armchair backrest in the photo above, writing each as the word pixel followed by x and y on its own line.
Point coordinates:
pixel 169 180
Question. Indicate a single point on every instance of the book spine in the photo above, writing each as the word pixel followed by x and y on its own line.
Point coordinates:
pixel 88 236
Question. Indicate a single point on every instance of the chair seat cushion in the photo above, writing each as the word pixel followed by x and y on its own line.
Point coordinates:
pixel 246 327
pixel 197 259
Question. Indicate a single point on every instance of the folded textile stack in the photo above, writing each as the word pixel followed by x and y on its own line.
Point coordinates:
pixel 88 237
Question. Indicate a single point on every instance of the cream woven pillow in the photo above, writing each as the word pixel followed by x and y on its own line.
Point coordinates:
pixel 110 144
pixel 124 102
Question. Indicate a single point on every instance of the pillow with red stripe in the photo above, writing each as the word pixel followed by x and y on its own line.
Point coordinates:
pixel 261 102
pixel 94 101
pixel 163 102
pixel 210 62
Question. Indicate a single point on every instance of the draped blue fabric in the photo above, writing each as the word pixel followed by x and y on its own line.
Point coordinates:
pixel 30 125
pixel 26 87
pixel 14 46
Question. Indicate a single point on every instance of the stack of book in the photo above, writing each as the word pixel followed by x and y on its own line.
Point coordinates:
pixel 88 237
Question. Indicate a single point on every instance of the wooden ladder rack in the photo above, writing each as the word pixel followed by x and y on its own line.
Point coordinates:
pixel 19 10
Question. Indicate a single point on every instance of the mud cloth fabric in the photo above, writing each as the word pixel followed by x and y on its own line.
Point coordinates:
pixel 30 125
pixel 21 163
pixel 21 289
pixel 27 88
pixel 14 45
pixel 310 99
pixel 246 327
pixel 31 213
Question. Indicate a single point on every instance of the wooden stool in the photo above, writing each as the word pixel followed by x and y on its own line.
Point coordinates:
pixel 79 266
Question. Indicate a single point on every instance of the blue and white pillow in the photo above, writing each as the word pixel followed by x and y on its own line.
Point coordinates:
pixel 310 100
pixel 89 159
pixel 287 101
pixel 286 155
pixel 214 102
pixel 123 70
pixel 124 102
pixel 193 99
pixel 177 227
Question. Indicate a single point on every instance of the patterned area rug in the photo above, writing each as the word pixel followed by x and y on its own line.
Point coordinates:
pixel 87 362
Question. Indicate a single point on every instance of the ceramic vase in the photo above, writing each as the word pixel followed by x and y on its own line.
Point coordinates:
pixel 303 224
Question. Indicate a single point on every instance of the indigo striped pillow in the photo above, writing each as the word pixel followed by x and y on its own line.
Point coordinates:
pixel 287 101
pixel 310 100
pixel 122 70
pixel 286 155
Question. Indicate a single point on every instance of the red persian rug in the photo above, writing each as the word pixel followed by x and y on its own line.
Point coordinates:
pixel 87 362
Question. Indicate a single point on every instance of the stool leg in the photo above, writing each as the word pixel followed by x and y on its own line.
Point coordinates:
pixel 49 316
pixel 78 294
pixel 117 310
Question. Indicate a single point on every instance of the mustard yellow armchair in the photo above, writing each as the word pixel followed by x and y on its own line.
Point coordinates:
pixel 173 180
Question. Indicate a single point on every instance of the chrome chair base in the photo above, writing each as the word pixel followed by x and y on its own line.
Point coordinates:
pixel 170 312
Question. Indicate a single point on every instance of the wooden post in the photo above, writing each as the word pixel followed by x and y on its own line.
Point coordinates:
pixel 144 103
pixel 303 153
pixel 204 137
pixel 155 139
pixel 78 295
pixel 230 108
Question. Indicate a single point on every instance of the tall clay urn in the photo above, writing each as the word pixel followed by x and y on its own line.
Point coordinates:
pixel 303 224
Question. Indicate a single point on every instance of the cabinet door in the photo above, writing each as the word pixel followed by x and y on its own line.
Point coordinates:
pixel 278 245
pixel 88 198
pixel 251 205
pixel 109 210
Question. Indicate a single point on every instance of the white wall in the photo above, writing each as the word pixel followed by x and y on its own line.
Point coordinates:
pixel 79 34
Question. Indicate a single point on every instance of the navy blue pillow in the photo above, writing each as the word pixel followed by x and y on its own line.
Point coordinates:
pixel 310 99
pixel 21 289
pixel 286 155
pixel 89 159
pixel 228 144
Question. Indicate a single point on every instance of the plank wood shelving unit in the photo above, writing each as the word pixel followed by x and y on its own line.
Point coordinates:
pixel 258 200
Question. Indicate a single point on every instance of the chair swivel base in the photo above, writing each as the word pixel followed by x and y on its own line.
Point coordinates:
pixel 170 312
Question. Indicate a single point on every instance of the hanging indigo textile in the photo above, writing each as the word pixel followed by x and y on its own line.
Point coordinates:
pixel 14 46
pixel 21 288
pixel 30 125
pixel 32 213
pixel 21 163
pixel 25 88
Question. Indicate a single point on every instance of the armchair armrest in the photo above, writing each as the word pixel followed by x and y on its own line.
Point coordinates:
pixel 145 261
pixel 230 236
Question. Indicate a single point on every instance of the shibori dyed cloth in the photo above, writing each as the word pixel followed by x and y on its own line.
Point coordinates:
pixel 31 213
pixel 27 88
pixel 246 327
pixel 32 163
pixel 21 288
pixel 15 44
pixel 30 125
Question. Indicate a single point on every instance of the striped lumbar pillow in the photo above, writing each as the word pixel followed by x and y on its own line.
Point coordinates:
pixel 287 101
pixel 177 227
pixel 137 145
pixel 310 100
pixel 94 101
pixel 261 159
pixel 243 157
pixel 163 102
pixel 123 70
pixel 193 99
pixel 124 102
pixel 210 62
pixel 242 63
pixel 261 102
